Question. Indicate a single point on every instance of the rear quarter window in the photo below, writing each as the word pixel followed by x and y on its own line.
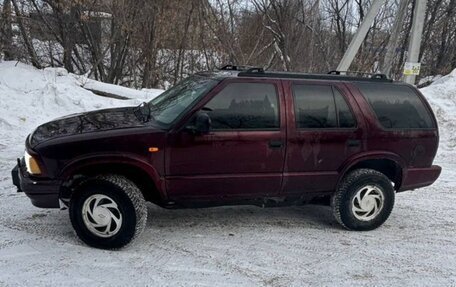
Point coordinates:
pixel 396 106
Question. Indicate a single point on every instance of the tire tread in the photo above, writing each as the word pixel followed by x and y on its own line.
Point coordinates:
pixel 131 191
pixel 350 179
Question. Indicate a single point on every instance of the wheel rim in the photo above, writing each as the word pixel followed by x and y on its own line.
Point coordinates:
pixel 368 202
pixel 101 215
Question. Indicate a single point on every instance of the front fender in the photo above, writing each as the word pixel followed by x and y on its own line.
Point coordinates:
pixel 81 163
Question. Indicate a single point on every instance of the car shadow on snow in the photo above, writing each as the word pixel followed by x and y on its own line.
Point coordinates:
pixel 55 225
pixel 308 216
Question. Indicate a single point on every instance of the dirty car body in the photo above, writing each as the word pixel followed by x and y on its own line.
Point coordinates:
pixel 240 137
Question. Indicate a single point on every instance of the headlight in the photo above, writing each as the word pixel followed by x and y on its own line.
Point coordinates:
pixel 31 164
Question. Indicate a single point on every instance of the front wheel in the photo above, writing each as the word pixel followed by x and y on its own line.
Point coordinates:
pixel 108 211
pixel 364 200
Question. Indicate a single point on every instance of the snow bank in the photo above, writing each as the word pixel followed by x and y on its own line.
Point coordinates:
pixel 143 95
pixel 29 97
pixel 441 95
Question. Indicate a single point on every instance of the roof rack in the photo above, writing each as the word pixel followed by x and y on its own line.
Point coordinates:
pixel 237 68
pixel 363 74
pixel 332 75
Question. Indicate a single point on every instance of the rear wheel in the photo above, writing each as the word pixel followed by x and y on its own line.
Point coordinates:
pixel 108 211
pixel 364 200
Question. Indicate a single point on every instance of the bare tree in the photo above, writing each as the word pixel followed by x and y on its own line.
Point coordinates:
pixel 156 43
pixel 7 31
pixel 25 37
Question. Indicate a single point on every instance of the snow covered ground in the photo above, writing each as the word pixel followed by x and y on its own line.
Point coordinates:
pixel 225 246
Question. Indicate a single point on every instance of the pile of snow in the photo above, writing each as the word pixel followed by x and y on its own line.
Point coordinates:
pixel 441 95
pixel 425 81
pixel 29 97
pixel 143 95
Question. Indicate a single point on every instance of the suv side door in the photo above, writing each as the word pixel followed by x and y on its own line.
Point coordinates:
pixel 325 128
pixel 242 155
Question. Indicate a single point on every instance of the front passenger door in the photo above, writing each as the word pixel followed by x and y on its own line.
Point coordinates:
pixel 244 153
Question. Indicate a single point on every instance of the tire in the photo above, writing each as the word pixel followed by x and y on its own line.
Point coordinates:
pixel 108 211
pixel 364 200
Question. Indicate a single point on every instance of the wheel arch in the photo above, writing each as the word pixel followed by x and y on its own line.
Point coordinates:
pixel 142 174
pixel 387 163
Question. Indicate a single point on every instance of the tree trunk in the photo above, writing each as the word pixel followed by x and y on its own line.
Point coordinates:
pixel 7 31
pixel 68 39
pixel 27 42
pixel 149 50
pixel 442 58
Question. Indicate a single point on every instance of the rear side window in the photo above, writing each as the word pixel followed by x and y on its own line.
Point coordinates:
pixel 245 106
pixel 396 106
pixel 344 114
pixel 321 106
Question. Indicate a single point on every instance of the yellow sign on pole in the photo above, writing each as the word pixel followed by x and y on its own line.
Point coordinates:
pixel 412 69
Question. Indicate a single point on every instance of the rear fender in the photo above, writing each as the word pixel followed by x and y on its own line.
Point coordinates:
pixel 374 155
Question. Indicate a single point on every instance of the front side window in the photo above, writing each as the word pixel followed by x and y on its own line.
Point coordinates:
pixel 172 103
pixel 396 106
pixel 245 106
pixel 320 107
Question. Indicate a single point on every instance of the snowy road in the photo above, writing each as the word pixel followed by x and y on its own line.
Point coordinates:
pixel 237 246
pixel 225 246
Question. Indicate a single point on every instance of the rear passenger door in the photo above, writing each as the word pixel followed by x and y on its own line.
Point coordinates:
pixel 324 129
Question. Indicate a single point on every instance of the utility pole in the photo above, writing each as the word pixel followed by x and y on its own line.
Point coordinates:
pixel 315 17
pixel 415 41
pixel 387 64
pixel 360 35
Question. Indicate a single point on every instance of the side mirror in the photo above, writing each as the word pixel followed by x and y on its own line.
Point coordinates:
pixel 202 123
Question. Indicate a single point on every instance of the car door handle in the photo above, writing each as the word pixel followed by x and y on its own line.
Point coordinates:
pixel 275 144
pixel 353 143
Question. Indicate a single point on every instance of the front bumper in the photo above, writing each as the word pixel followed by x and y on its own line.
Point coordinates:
pixel 420 177
pixel 43 193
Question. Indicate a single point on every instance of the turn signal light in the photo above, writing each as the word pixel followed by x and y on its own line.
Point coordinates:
pixel 31 164
pixel 153 149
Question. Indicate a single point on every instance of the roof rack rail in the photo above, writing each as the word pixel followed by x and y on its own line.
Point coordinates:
pixel 379 76
pixel 237 68
pixel 333 75
pixel 371 75
pixel 255 70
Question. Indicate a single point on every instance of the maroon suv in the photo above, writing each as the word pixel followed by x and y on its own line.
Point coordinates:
pixel 235 137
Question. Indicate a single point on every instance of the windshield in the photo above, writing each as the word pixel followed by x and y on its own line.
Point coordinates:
pixel 172 103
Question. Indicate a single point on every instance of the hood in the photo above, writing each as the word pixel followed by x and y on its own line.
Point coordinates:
pixel 100 120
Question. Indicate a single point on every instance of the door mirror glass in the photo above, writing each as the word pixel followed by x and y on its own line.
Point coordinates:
pixel 203 122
